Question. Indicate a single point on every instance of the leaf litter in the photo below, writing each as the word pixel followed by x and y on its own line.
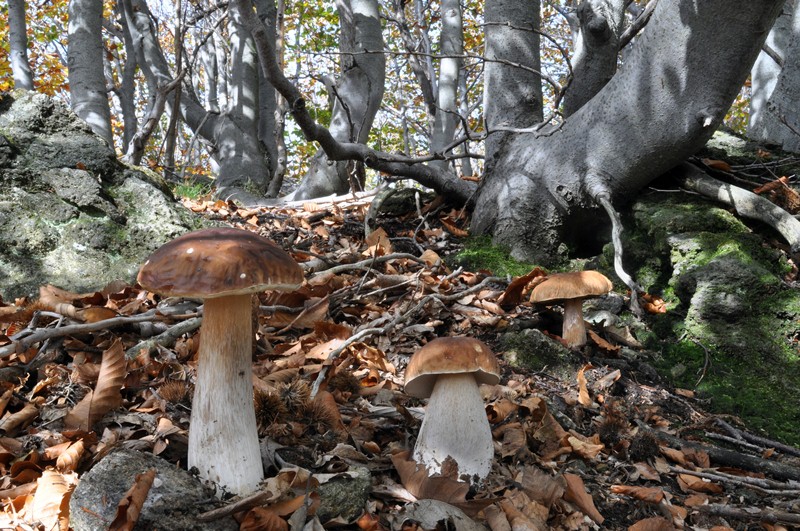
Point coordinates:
pixel 83 373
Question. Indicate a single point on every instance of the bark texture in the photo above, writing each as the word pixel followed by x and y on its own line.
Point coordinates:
pixel 596 27
pixel 18 44
pixel 85 58
pixel 512 96
pixel 452 48
pixel 681 77
pixel 357 96
pixel 775 105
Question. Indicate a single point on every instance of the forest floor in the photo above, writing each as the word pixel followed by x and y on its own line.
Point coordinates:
pixel 609 447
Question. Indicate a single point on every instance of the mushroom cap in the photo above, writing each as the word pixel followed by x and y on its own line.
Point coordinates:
pixel 218 262
pixel 574 285
pixel 450 355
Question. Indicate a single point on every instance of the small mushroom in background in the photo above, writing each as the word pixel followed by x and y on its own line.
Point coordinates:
pixel 449 371
pixel 224 267
pixel 571 289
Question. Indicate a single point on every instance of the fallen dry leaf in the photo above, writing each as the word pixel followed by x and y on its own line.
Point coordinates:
pixel 106 394
pixel 50 504
pixel 652 524
pixel 645 494
pixel 576 493
pixel 130 505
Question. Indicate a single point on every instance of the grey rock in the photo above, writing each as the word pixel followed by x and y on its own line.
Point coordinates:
pixel 70 213
pixel 532 349
pixel 173 503
pixel 344 495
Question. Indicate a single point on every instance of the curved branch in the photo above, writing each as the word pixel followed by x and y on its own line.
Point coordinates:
pixel 746 203
pixel 456 190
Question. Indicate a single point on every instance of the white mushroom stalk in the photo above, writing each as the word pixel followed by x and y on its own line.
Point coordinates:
pixel 223 439
pixel 456 426
pixel 574 327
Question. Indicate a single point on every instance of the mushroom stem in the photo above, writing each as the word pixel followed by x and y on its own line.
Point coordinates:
pixel 223 438
pixel 574 330
pixel 456 426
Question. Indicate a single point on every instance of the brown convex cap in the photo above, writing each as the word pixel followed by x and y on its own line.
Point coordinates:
pixel 218 262
pixel 450 355
pixel 574 285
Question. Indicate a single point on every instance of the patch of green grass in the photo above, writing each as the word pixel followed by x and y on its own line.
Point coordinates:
pixel 191 189
pixel 481 254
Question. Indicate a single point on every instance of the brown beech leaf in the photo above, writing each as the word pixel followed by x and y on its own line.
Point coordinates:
pixel 378 243
pixel 716 164
pixel 652 524
pixel 10 423
pixel 416 480
pixel 645 494
pixel 688 482
pixel 513 295
pixel 69 458
pixel 583 393
pixel 106 395
pixel 262 519
pixel 130 506
pixel 50 505
pixel 576 493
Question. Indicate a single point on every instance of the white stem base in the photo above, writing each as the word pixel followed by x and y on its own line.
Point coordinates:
pixel 456 426
pixel 223 439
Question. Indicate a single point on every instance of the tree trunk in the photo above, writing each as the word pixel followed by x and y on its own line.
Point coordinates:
pixel 18 44
pixel 512 95
pixel 774 115
pixel 242 165
pixel 452 48
pixel 85 56
pixel 358 94
pixel 680 79
pixel 596 28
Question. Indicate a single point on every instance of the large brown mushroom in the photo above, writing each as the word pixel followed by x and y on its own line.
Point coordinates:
pixel 449 371
pixel 571 289
pixel 224 267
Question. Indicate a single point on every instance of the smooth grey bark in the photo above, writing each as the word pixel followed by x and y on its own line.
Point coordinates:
pixel 775 101
pixel 681 76
pixel 18 44
pixel 512 96
pixel 242 170
pixel 267 97
pixel 357 97
pixel 456 190
pixel 85 59
pixel 126 91
pixel 451 44
pixel 596 29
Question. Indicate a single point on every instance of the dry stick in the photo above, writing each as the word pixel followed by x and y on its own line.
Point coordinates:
pixel 764 486
pixel 746 203
pixel 367 332
pixel 763 442
pixel 729 457
pixel 751 513
pixel 47 333
pixel 166 338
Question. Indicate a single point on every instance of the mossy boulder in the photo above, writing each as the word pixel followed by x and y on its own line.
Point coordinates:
pixel 70 213
pixel 733 323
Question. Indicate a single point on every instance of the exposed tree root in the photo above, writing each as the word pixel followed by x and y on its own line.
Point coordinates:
pixel 599 191
pixel 746 203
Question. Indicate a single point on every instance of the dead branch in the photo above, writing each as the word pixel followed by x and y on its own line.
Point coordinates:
pixel 746 203
pixel 166 338
pixel 751 513
pixel 723 456
pixel 42 334
pixel 763 442
pixel 764 486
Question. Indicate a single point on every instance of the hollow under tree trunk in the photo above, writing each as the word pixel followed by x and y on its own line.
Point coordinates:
pixel 677 84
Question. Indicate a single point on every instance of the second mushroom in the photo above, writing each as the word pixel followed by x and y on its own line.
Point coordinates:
pixel 456 429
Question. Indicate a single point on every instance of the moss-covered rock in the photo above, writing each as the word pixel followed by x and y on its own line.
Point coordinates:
pixel 733 324
pixel 70 213
pixel 531 349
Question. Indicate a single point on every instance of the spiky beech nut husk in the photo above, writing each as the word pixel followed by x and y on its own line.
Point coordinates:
pixel 295 395
pixel 270 410
pixel 345 382
pixel 176 391
pixel 643 447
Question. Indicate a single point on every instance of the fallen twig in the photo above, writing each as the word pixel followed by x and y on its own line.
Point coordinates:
pixel 750 513
pixel 166 338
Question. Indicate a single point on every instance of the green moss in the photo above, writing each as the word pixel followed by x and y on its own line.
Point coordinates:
pixel 191 189
pixel 481 254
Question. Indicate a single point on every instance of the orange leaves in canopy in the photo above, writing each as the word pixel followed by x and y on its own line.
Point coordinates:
pixel 106 394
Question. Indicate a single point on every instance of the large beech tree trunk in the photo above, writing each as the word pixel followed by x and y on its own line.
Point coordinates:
pixel 18 45
pixel 674 90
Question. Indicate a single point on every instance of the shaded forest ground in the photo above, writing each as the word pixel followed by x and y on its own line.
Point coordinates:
pixel 589 439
